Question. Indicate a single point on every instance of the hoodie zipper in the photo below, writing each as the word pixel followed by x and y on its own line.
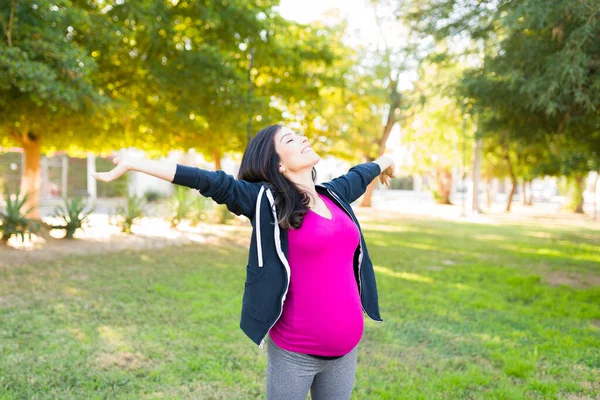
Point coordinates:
pixel 360 254
pixel 257 224
pixel 283 260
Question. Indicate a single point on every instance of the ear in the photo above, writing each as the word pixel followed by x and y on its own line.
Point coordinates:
pixel 281 168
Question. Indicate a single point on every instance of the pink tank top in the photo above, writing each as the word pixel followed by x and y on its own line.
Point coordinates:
pixel 322 313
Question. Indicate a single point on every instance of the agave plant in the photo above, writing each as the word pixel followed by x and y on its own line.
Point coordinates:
pixel 14 217
pixel 72 213
pixel 130 212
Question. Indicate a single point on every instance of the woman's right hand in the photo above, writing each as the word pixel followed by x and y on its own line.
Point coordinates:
pixel 115 173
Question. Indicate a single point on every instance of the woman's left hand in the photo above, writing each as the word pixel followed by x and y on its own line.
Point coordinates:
pixel 387 174
pixel 387 167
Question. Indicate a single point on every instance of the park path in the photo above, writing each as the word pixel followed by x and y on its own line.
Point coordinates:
pixel 155 233
pixel 101 237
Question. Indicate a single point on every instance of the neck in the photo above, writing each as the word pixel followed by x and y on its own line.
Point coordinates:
pixel 303 180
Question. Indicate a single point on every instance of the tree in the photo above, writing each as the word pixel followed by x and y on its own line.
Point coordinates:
pixel 45 79
pixel 390 64
pixel 440 130
pixel 540 74
pixel 159 76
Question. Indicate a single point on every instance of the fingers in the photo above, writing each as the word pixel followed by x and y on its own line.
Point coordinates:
pixel 111 175
pixel 101 176
pixel 384 180
pixel 385 176
pixel 116 160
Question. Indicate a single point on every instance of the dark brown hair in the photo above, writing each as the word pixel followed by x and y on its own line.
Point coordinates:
pixel 260 163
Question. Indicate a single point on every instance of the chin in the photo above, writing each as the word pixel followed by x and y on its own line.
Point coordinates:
pixel 317 159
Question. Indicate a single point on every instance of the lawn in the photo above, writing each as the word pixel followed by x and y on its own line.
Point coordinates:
pixel 471 311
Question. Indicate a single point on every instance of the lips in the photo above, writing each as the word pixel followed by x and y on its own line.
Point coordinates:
pixel 306 148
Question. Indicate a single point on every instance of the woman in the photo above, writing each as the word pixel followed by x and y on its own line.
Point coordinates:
pixel 309 276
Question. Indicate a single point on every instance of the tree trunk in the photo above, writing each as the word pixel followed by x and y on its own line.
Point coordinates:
pixel 578 195
pixel 444 183
pixel 595 191
pixel 488 194
pixel 249 102
pixel 477 175
pixel 31 180
pixel 217 157
pixel 530 199
pixel 387 129
pixel 524 194
pixel 489 177
pixel 11 20
pixel 513 190
pixel 368 196
pixel 513 179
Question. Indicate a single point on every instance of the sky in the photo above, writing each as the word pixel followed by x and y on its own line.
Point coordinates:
pixel 309 10
pixel 360 18
pixel 357 13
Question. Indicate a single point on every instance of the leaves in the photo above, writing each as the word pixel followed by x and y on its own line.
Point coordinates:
pixel 160 75
pixel 13 217
pixel 73 214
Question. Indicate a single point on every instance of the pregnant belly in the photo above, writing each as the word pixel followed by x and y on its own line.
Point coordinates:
pixel 326 326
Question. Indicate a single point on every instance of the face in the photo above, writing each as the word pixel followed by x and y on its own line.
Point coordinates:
pixel 295 152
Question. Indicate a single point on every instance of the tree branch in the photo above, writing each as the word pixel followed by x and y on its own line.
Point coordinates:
pixel 11 20
pixel 14 135
pixel 3 23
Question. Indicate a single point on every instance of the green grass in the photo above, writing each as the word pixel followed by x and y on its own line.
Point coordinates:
pixel 468 314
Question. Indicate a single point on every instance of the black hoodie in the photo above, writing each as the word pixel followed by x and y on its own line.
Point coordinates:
pixel 268 272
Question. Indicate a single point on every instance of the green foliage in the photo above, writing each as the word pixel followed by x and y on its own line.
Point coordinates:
pixel 45 76
pixel 222 215
pixel 152 196
pixel 73 215
pixel 181 205
pixel 13 217
pixel 402 183
pixel 129 212
pixel 160 75
pixel 535 87
pixel 201 210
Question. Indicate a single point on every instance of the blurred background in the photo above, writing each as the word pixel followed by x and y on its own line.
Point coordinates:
pixel 486 247
pixel 481 104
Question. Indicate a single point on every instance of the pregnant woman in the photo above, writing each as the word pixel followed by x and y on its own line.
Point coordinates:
pixel 309 277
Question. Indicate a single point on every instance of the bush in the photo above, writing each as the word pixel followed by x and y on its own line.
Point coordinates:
pixel 14 218
pixel 222 215
pixel 152 196
pixel 72 213
pixel 132 210
pixel 181 204
pixel 200 212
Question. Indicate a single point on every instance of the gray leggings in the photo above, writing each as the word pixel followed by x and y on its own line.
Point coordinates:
pixel 290 375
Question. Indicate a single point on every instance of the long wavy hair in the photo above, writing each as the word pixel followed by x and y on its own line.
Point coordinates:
pixel 260 163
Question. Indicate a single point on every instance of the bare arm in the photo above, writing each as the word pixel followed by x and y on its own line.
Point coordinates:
pixel 239 196
pixel 160 169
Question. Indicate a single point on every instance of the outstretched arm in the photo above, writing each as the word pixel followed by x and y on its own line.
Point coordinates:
pixel 354 184
pixel 239 196
pixel 161 169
